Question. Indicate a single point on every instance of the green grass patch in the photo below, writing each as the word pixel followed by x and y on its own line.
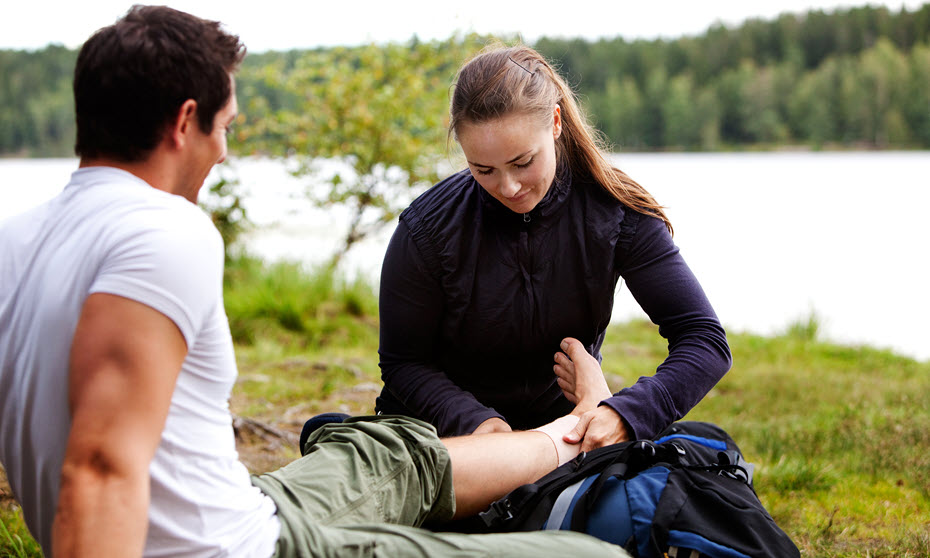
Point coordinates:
pixel 840 435
pixel 15 540
pixel 294 306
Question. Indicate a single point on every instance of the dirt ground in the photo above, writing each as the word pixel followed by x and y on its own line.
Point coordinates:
pixel 270 441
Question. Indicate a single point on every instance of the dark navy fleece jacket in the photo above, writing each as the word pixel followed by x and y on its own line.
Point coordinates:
pixel 475 300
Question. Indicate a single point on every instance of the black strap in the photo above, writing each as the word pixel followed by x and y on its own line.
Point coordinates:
pixel 635 458
pixel 527 507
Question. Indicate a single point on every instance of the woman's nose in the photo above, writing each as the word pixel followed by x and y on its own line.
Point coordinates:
pixel 509 187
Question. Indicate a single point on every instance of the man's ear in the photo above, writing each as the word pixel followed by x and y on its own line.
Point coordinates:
pixel 183 124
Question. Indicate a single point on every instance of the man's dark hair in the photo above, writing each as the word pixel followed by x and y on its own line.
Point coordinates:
pixel 132 77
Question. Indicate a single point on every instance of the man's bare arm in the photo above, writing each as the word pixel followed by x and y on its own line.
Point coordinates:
pixel 125 360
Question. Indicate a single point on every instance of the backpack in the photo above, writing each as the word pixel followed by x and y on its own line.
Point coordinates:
pixel 688 493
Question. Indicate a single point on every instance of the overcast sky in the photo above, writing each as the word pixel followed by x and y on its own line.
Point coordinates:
pixel 285 24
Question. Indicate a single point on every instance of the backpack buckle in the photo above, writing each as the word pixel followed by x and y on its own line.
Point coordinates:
pixel 578 460
pixel 737 467
pixel 499 512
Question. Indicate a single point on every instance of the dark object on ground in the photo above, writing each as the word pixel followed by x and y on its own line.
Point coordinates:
pixel 688 491
pixel 314 423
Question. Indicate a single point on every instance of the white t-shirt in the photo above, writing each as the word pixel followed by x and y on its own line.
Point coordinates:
pixel 111 232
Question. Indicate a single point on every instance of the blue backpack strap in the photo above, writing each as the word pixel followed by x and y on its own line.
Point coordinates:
pixel 526 508
pixel 635 458
pixel 719 445
pixel 565 504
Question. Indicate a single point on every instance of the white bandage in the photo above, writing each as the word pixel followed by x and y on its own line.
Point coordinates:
pixel 555 430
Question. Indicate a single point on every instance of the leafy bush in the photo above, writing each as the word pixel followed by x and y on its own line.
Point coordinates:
pixel 308 308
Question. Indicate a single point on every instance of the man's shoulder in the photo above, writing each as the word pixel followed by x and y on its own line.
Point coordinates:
pixel 136 233
pixel 128 207
pixel 163 211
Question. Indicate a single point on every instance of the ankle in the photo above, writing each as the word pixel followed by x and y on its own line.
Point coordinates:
pixel 555 430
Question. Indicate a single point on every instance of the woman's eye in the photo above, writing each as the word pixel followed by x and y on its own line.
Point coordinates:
pixel 524 165
pixel 484 172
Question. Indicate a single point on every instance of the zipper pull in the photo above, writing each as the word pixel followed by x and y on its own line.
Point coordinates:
pixel 526 217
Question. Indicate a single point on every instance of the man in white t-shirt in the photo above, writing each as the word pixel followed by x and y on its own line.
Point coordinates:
pixel 116 362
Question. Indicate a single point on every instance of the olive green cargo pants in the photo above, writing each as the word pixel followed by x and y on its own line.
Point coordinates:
pixel 366 485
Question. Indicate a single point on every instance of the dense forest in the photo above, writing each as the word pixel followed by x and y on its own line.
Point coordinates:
pixel 850 78
pixel 857 77
pixel 36 105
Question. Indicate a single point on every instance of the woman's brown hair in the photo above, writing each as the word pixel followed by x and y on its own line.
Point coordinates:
pixel 518 80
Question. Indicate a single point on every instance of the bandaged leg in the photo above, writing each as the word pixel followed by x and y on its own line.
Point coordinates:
pixel 555 430
pixel 488 466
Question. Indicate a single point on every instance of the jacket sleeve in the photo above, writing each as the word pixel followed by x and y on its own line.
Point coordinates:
pixel 698 353
pixel 410 307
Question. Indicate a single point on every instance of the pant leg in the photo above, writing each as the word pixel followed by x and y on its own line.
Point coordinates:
pixel 396 541
pixel 366 484
pixel 365 470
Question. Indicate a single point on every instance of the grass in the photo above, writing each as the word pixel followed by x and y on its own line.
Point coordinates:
pixel 15 540
pixel 296 307
pixel 840 436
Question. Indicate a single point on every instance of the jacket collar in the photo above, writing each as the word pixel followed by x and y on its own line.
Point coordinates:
pixel 551 203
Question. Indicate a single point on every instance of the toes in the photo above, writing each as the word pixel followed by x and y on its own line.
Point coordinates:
pixel 562 359
pixel 564 374
pixel 568 390
pixel 566 364
pixel 574 349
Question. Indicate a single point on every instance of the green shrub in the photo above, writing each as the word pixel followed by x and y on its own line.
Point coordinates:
pixel 309 308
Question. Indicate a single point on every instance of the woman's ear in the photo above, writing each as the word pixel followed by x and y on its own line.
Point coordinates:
pixel 556 122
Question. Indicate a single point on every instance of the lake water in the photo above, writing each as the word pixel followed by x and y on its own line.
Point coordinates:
pixel 773 237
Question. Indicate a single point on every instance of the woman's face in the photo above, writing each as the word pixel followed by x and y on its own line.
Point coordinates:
pixel 512 157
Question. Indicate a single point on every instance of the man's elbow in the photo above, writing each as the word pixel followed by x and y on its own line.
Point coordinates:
pixel 96 465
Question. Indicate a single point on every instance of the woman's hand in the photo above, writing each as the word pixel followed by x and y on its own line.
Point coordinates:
pixel 597 428
pixel 492 425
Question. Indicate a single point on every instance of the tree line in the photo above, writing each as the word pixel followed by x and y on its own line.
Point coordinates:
pixel 36 103
pixel 857 77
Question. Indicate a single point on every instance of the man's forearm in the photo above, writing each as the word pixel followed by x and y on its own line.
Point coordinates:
pixel 125 360
pixel 100 513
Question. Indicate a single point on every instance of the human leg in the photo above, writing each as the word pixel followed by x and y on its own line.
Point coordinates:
pixel 396 541
pixel 393 471
pixel 579 375
pixel 365 470
pixel 486 467
pixel 364 482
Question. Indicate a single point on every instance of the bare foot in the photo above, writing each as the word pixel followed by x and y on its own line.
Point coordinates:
pixel 580 376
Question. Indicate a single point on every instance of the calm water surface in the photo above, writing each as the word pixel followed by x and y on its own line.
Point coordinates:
pixel 773 237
